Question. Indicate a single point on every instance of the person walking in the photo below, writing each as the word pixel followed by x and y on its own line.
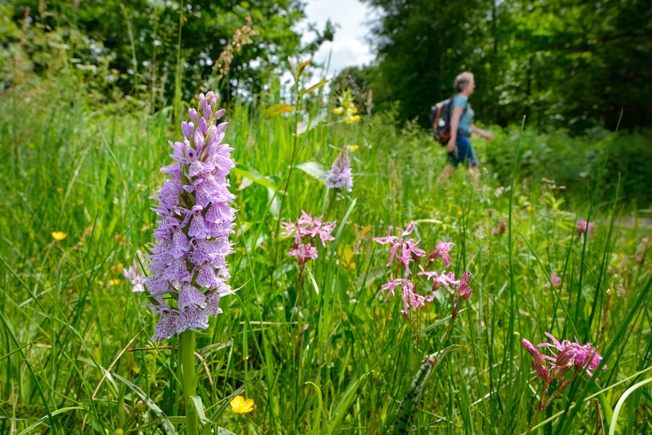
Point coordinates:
pixel 459 146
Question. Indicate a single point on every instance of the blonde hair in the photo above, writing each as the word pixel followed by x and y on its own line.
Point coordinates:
pixel 462 81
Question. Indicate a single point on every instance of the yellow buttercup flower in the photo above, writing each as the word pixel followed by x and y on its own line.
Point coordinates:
pixel 459 212
pixel 337 110
pixel 353 148
pixel 530 208
pixel 59 235
pixel 114 281
pixel 59 189
pixel 241 406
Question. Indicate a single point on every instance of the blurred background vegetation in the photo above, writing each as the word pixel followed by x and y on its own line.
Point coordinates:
pixel 570 66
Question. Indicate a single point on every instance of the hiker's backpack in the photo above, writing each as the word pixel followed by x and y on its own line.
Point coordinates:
pixel 440 118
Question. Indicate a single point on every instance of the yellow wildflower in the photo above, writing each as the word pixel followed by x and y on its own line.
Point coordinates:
pixel 530 208
pixel 59 235
pixel 59 189
pixel 117 268
pixel 354 110
pixel 241 406
pixel 353 148
pixel 459 212
pixel 356 118
pixel 337 110
pixel 114 281
pixel 349 120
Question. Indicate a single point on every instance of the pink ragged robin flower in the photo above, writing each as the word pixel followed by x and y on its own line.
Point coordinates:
pixel 441 251
pixel 402 249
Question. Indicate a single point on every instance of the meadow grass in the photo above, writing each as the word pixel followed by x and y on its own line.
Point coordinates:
pixel 76 353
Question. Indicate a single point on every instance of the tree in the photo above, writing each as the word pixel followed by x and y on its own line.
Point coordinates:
pixel 143 37
pixel 564 63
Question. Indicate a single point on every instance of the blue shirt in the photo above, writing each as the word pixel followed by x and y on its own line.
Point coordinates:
pixel 466 119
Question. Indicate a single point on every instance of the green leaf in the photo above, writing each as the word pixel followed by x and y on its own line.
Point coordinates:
pixel 278 109
pixel 199 406
pixel 621 402
pixel 165 422
pixel 226 402
pixel 341 410
pixel 42 420
pixel 317 86
pixel 317 170
pixel 256 179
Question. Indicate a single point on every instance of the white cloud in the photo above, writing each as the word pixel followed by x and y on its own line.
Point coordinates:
pixel 349 47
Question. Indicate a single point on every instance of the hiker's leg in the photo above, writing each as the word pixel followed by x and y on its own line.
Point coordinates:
pixel 445 173
pixel 466 150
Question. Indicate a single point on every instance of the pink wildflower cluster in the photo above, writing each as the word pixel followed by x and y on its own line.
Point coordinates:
pixel 305 230
pixel 500 229
pixel 406 251
pixel 401 249
pixel 570 355
pixel 583 227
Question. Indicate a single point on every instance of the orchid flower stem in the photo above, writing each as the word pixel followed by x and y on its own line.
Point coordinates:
pixel 189 379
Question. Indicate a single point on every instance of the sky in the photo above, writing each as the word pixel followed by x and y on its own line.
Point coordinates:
pixel 349 46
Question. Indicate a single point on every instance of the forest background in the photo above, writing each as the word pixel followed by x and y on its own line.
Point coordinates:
pixel 570 66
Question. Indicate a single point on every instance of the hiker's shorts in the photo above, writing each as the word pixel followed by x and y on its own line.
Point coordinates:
pixel 463 152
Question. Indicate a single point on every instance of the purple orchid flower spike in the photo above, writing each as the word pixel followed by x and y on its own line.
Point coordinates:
pixel 340 175
pixel 193 234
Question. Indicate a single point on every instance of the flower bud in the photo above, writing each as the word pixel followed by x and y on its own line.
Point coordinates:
pixel 560 371
pixel 542 371
pixel 222 127
pixel 565 357
pixel 186 128
pixel 207 111
pixel 198 138
pixel 219 113
pixel 202 125
pixel 193 115
pixel 536 355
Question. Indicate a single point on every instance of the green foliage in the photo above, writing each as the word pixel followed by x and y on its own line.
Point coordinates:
pixel 574 161
pixel 139 39
pixel 75 319
pixel 564 64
